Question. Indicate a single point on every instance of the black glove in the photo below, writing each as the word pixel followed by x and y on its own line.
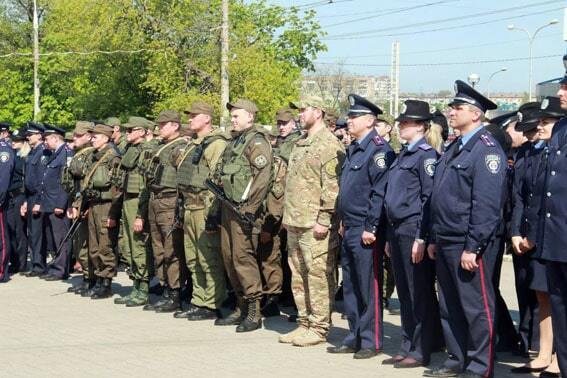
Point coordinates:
pixel 247 223
pixel 212 223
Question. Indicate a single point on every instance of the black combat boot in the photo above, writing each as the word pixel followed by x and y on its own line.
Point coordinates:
pixel 253 319
pixel 164 298
pixel 271 307
pixel 172 304
pixel 84 284
pixel 104 291
pixel 236 317
pixel 92 288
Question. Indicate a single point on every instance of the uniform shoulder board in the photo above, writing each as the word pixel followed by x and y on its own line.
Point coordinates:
pixel 378 140
pixel 425 147
pixel 3 143
pixel 486 140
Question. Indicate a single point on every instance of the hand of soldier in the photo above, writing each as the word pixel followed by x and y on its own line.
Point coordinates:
pixel 36 209
pixel 110 223
pixel 468 261
pixel 138 225
pixel 368 238
pixel 516 245
pixel 417 252
pixel 24 209
pixel 59 212
pixel 527 245
pixel 432 251
pixel 341 230
pixel 265 237
pixel 319 231
pixel 387 249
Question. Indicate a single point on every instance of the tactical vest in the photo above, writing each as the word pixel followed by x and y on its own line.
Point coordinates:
pixel 132 180
pixel 76 170
pixel 284 150
pixel 161 173
pixel 236 174
pixel 98 181
pixel 193 169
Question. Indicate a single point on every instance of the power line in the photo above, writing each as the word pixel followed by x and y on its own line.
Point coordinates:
pixel 433 22
pixel 358 36
pixel 451 63
pixel 317 4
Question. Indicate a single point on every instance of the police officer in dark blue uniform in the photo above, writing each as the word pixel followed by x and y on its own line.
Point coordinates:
pixel 552 230
pixel 34 167
pixel 410 181
pixel 6 169
pixel 361 198
pixel 465 213
pixel 54 201
pixel 16 197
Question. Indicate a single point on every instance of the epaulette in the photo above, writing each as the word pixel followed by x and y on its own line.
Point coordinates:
pixel 425 147
pixel 486 140
pixel 3 143
pixel 378 140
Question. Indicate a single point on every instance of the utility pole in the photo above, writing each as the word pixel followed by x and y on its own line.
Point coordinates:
pixel 395 80
pixel 225 84
pixel 36 93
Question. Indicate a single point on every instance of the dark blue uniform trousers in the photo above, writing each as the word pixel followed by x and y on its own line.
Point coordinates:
pixel 557 281
pixel 58 226
pixel 528 326
pixel 17 227
pixel 36 226
pixel 4 242
pixel 362 288
pixel 466 301
pixel 418 303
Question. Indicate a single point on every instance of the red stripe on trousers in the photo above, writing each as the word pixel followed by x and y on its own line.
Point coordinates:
pixel 487 310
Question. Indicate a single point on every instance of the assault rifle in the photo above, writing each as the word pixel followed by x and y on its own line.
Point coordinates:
pixel 245 219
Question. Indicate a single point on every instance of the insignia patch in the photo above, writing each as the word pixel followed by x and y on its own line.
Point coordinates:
pixel 43 160
pixel 278 190
pixel 331 168
pixel 429 166
pixel 404 108
pixel 520 117
pixel 380 160
pixel 425 147
pixel 544 103
pixel 351 100
pixel 260 161
pixel 493 163
pixel 4 157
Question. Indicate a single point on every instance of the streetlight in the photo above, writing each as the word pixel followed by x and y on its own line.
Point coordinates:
pixel 473 79
pixel 531 38
pixel 503 69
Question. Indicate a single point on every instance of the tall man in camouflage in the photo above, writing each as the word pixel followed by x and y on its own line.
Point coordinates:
pixel 103 210
pixel 162 190
pixel 134 245
pixel 312 187
pixel 273 237
pixel 245 175
pixel 195 163
pixel 72 181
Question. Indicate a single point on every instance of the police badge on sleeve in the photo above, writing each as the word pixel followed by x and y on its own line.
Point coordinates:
pixel 493 163
pixel 4 157
pixel 429 166
pixel 380 160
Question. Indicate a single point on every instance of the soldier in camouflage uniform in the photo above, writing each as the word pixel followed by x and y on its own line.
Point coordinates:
pixel 245 175
pixel 72 181
pixel 162 191
pixel 195 163
pixel 104 210
pixel 312 187
pixel 134 245
pixel 273 237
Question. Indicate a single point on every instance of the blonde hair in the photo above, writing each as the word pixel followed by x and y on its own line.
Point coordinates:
pixel 434 136
pixel 25 149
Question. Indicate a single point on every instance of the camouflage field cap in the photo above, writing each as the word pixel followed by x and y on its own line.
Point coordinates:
pixel 169 116
pixel 241 103
pixel 83 127
pixel 69 136
pixel 112 121
pixel 309 101
pixel 140 123
pixel 103 129
pixel 284 115
pixel 200 107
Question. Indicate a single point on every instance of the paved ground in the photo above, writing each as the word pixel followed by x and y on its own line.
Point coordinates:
pixel 47 332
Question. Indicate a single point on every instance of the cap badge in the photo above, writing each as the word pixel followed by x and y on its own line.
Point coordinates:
pixel 351 100
pixel 544 103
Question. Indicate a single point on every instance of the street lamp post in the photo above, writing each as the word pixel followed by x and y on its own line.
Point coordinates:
pixel 531 38
pixel 503 69
pixel 473 79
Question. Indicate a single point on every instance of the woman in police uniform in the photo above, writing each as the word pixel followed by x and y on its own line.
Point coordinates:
pixel 410 183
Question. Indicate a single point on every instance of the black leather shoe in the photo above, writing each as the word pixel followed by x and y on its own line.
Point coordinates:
pixel 33 273
pixel 54 278
pixel 393 360
pixel 527 369
pixel 183 314
pixel 248 325
pixel 441 372
pixel 172 304
pixel 234 318
pixel 343 349
pixel 104 290
pixel 408 363
pixel 366 353
pixel 92 289
pixel 86 285
pixel 153 306
pixel 202 313
pixel 548 374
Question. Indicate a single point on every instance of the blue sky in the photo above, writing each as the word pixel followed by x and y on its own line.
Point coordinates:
pixel 464 39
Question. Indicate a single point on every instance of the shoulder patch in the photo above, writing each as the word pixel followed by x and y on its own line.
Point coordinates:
pixel 4 157
pixel 331 168
pixel 260 161
pixel 429 166
pixel 378 140
pixel 380 160
pixel 486 140
pixel 493 163
pixel 425 147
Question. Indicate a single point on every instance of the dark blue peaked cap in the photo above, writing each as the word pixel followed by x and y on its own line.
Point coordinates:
pixel 34 128
pixel 505 119
pixel 465 94
pixel 5 126
pixel 359 106
pixel 50 129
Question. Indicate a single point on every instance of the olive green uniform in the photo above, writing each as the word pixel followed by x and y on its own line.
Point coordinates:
pixel 162 191
pixel 245 175
pixel 198 160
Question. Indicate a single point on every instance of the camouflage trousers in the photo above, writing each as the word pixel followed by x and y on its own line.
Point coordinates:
pixel 312 263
